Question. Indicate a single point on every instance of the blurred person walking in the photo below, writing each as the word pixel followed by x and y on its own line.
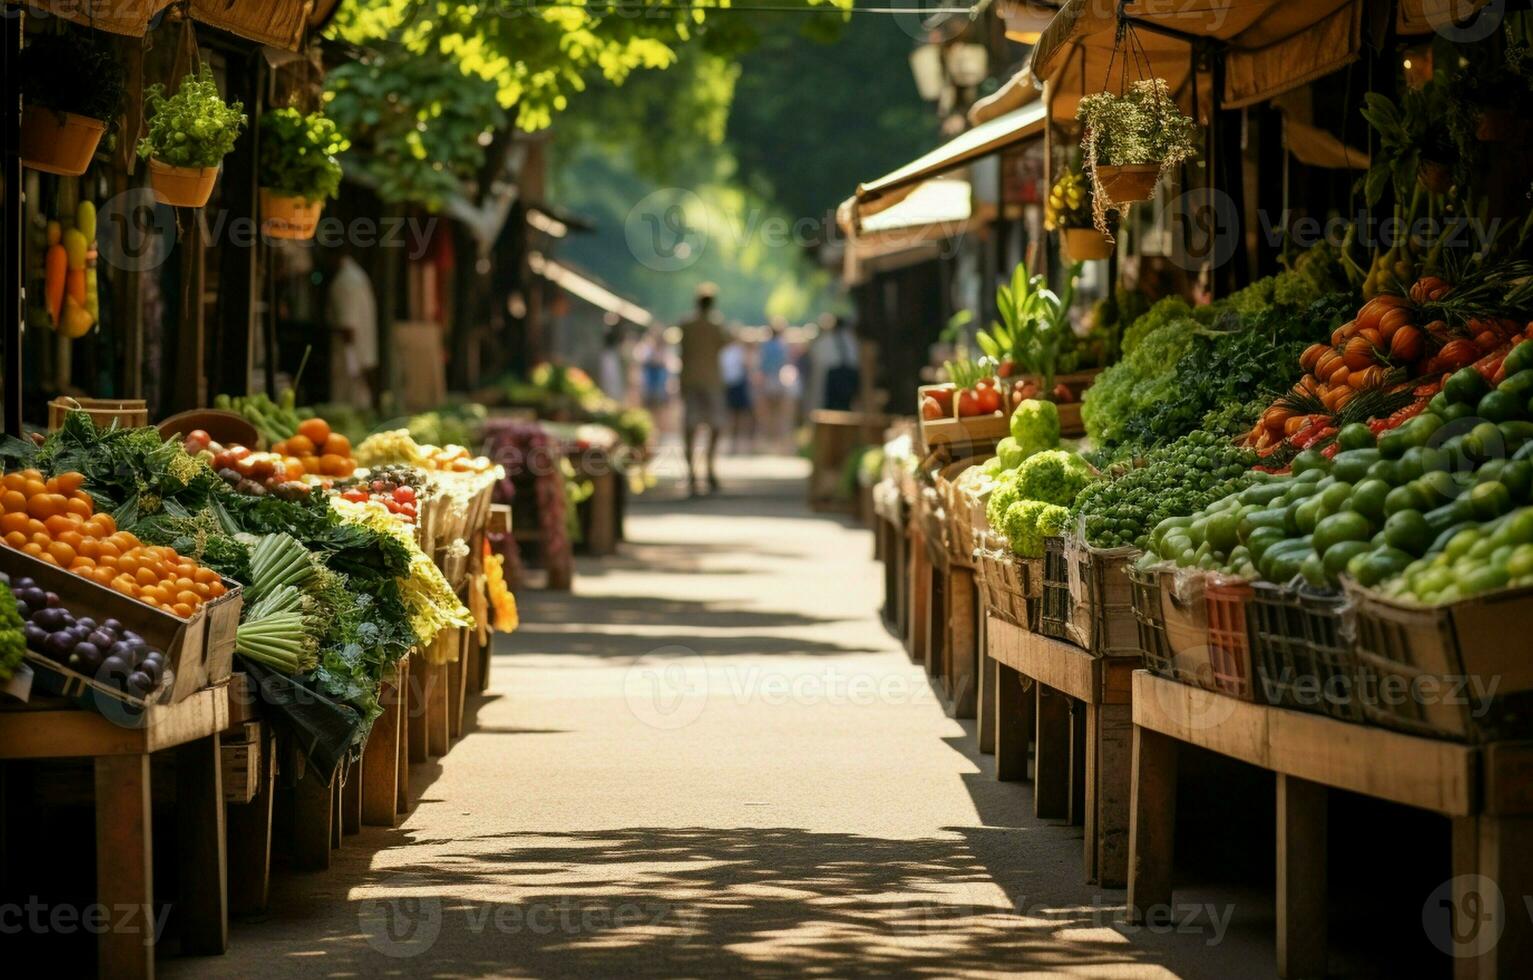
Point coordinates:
pixel 739 395
pixel 351 310
pixel 836 366
pixel 703 339
pixel 776 387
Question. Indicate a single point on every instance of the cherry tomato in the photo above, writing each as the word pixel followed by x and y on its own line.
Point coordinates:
pixel 931 409
pixel 989 399
pixel 197 440
pixel 404 494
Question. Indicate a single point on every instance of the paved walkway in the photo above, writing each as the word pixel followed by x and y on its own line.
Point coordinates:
pixel 712 760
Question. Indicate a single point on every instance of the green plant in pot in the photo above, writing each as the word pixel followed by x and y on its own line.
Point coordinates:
pixel 1131 138
pixel 190 133
pixel 299 170
pixel 1068 211
pixel 72 93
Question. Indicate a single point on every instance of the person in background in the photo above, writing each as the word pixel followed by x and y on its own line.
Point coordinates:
pixel 654 373
pixel 835 362
pixel 776 383
pixel 703 338
pixel 351 310
pixel 610 371
pixel 734 365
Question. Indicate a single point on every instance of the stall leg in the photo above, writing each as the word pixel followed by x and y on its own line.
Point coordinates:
pixel 1051 754
pixel 402 757
pixel 420 711
pixel 248 834
pixel 1109 736
pixel 124 866
pixel 985 727
pixel 204 912
pixel 1013 724
pixel 1490 851
pixel 351 799
pixel 920 594
pixel 962 643
pixel 1076 808
pixel 438 716
pixel 380 759
pixel 1301 894
pixel 1152 822
pixel 313 811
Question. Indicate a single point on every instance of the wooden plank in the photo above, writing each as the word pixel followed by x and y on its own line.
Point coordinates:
pixel 601 534
pixel 438 716
pixel 1051 754
pixel 1508 773
pixel 456 677
pixel 312 815
pixel 962 642
pixel 1076 812
pixel 1055 663
pixel 1013 724
pixel 402 758
pixel 936 627
pixel 1092 766
pixel 1110 729
pixel 985 726
pixel 125 866
pixel 380 760
pixel 1487 929
pixel 1421 772
pixel 351 799
pixel 1152 822
pixel 1301 884
pixel 204 909
pixel 335 808
pixel 67 732
pixel 918 627
pixel 419 689
pixel 244 699
pixel 248 840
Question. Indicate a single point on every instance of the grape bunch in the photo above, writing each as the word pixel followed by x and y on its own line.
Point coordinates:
pixel 107 651
pixel 1174 481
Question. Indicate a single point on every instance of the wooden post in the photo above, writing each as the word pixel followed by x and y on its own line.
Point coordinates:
pixel 962 643
pixel 204 911
pixel 402 757
pixel 1076 809
pixel 313 812
pixel 1152 822
pixel 985 727
pixel 936 626
pixel 1051 754
pixel 1109 754
pixel 249 838
pixel 1013 724
pixel 1301 887
pixel 125 866
pixel 351 799
pixel 1492 876
pixel 380 757
pixel 920 594
pixel 601 535
pixel 438 715
pixel 419 689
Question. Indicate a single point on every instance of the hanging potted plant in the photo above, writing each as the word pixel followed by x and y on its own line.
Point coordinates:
pixel 1068 211
pixel 1131 138
pixel 190 133
pixel 298 170
pixel 72 90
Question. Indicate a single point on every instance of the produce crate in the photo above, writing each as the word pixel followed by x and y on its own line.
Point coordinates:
pixel 933 523
pixel 1054 619
pixel 1011 586
pixel 1070 424
pixel 240 759
pixel 1185 609
pixel 199 650
pixel 1303 660
pixel 1229 643
pixel 960 437
pixel 125 413
pixel 1102 616
pixel 958 508
pixel 1144 584
pixel 1459 671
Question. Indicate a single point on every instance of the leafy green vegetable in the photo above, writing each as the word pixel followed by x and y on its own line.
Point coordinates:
pixel 193 127
pixel 1054 476
pixel 13 643
pixel 1035 427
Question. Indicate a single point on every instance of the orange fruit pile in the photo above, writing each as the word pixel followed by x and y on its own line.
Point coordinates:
pixel 318 450
pixel 54 521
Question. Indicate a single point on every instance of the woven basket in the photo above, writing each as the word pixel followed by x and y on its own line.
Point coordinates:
pixel 958 506
pixel 1011 586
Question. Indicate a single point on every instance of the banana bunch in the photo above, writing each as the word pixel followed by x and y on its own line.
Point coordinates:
pixel 274 420
pixel 1068 202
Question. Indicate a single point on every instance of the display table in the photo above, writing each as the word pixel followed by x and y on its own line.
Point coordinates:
pixel 52 728
pixel 834 437
pixel 1487 792
pixel 1079 717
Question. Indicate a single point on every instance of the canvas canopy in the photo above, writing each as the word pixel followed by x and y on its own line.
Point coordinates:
pixel 1268 46
pixel 279 23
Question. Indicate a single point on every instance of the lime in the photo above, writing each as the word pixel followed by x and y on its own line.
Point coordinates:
pixel 1373 567
pixel 1455 411
pixel 1393 444
pixel 1368 499
pixel 1335 557
pixel 1263 538
pixel 1307 514
pixel 1461 543
pixel 1519 527
pixel 1485 578
pixel 1353 464
pixel 1313 570
pixel 1484 442
pixel 1519 360
pixel 1355 435
pixel 1308 460
pixel 1500 406
pixel 1221 531
pixel 1408 497
pixel 1520 384
pixel 1408 531
pixel 1437 487
pixel 1334 497
pixel 1465 386
pixel 1520 563
pixel 1344 526
pixel 1490 500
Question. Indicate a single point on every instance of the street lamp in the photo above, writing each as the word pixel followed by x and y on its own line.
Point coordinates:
pixel 926 66
pixel 968 64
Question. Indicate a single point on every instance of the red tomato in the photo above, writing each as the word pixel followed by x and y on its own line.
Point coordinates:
pixel 197 440
pixel 354 495
pixel 407 510
pixel 931 409
pixel 969 403
pixel 989 399
pixel 943 397
pixel 404 494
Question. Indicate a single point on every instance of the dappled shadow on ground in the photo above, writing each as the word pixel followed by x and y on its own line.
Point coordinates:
pixel 531 639
pixel 621 611
pixel 687 902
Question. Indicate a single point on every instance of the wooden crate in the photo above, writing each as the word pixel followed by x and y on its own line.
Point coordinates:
pixel 126 413
pixel 241 750
pixel 961 437
pixel 958 508
pixel 1102 602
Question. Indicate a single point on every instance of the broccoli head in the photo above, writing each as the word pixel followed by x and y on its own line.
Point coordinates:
pixel 1002 496
pixel 1009 452
pixel 1020 525
pixel 1053 521
pixel 1053 476
pixel 1035 426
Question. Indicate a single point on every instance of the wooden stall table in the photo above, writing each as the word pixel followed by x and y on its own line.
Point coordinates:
pixel 1080 713
pixel 53 728
pixel 1486 791
pixel 834 437
pixel 960 646
pixel 248 752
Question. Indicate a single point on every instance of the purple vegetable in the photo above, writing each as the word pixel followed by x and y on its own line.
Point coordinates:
pixel 59 646
pixel 87 622
pixel 35 635
pixel 23 610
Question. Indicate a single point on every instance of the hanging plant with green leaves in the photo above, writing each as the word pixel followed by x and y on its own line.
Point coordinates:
pixel 74 71
pixel 298 154
pixel 194 127
pixel 1141 127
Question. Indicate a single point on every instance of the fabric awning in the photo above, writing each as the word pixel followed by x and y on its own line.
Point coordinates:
pixel 938 202
pixel 1432 16
pixel 1002 132
pixel 279 23
pixel 1018 91
pixel 1317 148
pixel 1271 46
pixel 591 292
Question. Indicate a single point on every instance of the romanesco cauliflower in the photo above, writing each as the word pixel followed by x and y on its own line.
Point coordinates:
pixel 1020 525
pixel 1053 476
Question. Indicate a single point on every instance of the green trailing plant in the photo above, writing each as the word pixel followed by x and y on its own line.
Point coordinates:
pixel 1142 125
pixel 194 127
pixel 298 154
pixel 74 71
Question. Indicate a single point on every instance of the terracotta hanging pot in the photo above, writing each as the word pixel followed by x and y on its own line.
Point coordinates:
pixel 58 142
pixel 1128 183
pixel 1085 244
pixel 181 187
pixel 289 216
